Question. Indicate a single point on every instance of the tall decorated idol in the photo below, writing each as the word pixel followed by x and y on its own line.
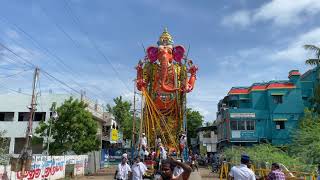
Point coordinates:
pixel 164 77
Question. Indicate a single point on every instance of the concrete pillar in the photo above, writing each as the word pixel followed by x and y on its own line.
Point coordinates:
pixel 47 116
pixel 15 116
pixel 12 142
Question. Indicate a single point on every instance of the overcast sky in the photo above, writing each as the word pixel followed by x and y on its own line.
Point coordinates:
pixel 95 45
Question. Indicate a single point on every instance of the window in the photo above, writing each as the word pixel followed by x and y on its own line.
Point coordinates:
pixel 36 145
pixel 18 145
pixel 39 116
pixel 280 125
pixel 234 125
pixel 277 99
pixel 6 116
pixel 241 125
pixel 23 116
pixel 207 134
pixel 248 125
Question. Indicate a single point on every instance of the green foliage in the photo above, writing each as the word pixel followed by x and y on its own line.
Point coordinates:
pixel 4 149
pixel 194 121
pixel 75 129
pixel 315 100
pixel 121 110
pixel 316 50
pixel 264 155
pixel 306 140
pixel 122 114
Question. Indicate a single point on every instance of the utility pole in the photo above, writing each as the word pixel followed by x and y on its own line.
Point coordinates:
pixel 26 153
pixel 134 120
pixel 141 121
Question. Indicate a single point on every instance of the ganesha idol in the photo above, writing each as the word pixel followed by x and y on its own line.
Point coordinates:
pixel 165 73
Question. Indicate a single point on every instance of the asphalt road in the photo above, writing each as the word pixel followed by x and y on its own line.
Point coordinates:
pixel 202 174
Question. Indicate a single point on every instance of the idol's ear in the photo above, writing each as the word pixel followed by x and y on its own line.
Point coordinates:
pixel 152 53
pixel 178 52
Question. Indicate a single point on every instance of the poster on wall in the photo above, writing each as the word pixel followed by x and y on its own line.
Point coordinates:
pixel 114 135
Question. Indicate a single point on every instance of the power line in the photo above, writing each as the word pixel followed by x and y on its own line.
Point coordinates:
pixel 14 90
pixel 37 43
pixel 10 69
pixel 45 73
pixel 61 82
pixel 74 42
pixel 6 87
pixel 25 60
pixel 47 51
pixel 53 77
pixel 15 74
pixel 13 61
pixel 77 22
pixel 66 67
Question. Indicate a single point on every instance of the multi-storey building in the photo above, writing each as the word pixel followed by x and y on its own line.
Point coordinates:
pixel 265 112
pixel 14 116
pixel 207 138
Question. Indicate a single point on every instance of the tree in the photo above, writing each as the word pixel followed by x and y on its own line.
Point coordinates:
pixel 316 50
pixel 75 129
pixel 122 114
pixel 315 61
pixel 306 140
pixel 4 149
pixel 194 121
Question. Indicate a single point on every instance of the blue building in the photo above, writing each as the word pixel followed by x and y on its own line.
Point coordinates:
pixel 265 112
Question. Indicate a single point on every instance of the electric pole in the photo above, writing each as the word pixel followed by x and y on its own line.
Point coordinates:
pixel 26 153
pixel 134 120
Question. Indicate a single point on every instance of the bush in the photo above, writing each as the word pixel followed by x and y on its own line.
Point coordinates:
pixel 264 155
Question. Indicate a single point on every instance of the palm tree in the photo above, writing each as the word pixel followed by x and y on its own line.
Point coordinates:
pixel 316 49
pixel 315 61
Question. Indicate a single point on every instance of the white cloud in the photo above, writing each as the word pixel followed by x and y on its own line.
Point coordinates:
pixel 286 12
pixel 280 12
pixel 12 34
pixel 295 51
pixel 240 18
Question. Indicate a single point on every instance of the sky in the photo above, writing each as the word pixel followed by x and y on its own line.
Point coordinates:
pixel 95 45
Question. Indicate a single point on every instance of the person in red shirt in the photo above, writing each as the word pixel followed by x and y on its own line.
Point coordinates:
pixel 276 173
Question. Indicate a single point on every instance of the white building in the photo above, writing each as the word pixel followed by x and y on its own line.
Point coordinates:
pixel 207 137
pixel 14 115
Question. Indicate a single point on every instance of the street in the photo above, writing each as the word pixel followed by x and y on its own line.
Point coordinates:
pixel 203 174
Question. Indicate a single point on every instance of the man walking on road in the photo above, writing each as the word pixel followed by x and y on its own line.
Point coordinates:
pixel 138 169
pixel 242 172
pixel 123 171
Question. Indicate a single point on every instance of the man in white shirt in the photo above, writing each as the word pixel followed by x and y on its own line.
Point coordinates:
pixel 138 169
pixel 242 172
pixel 158 141
pixel 123 171
pixel 163 152
pixel 143 141
pixel 177 170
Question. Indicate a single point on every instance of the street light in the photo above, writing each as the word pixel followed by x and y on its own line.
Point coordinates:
pixel 54 117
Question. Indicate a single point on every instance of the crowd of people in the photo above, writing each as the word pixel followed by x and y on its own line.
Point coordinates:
pixel 168 167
